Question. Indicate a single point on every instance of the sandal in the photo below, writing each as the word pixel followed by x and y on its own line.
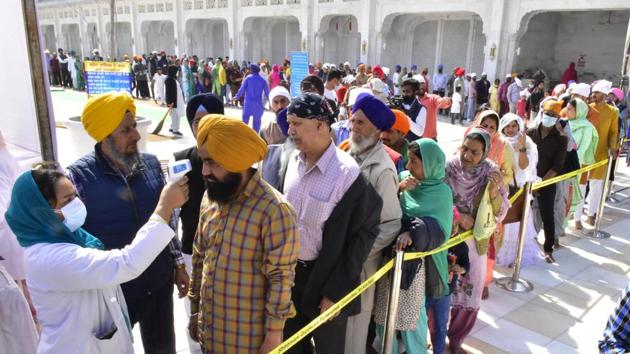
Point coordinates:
pixel 549 258
pixel 578 225
pixel 485 293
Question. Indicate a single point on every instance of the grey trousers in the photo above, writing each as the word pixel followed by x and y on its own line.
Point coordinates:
pixel 357 327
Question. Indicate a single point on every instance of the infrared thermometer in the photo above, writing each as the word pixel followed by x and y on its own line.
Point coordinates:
pixel 177 169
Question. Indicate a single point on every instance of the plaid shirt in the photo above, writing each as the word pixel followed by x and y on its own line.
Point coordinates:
pixel 617 333
pixel 244 258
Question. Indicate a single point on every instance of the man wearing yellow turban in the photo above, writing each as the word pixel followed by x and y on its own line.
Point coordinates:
pixel 246 247
pixel 102 114
pixel 120 188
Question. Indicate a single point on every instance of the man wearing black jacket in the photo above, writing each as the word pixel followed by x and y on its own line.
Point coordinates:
pixel 198 107
pixel 338 215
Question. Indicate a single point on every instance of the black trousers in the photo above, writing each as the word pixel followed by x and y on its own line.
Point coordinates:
pixel 56 78
pixel 546 200
pixel 155 314
pixel 67 79
pixel 143 87
pixel 330 338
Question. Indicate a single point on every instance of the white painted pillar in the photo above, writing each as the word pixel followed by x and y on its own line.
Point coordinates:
pixel 103 43
pixel 237 50
pixel 491 63
pixel 178 29
pixel 493 28
pixel 365 27
pixel 308 31
pixel 59 40
pixel 83 38
pixel 507 54
pixel 438 44
pixel 136 37
pixel 372 36
pixel 469 50
pixel 625 63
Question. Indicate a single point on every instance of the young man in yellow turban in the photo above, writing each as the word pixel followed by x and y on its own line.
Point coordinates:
pixel 246 248
pixel 120 188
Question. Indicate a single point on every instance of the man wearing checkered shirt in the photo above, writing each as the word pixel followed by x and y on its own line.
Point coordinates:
pixel 246 247
pixel 617 333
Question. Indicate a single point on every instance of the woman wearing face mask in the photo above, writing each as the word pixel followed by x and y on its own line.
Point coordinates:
pixel 586 138
pixel 512 129
pixel 468 174
pixel 74 283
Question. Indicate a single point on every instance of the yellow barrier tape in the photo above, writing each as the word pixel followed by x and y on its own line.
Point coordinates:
pixel 453 240
pixel 448 244
pixel 557 179
pixel 328 314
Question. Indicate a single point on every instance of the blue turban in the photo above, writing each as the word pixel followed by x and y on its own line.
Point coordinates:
pixel 281 118
pixel 414 67
pixel 398 68
pixel 375 110
pixel 208 102
pixel 254 68
pixel 440 66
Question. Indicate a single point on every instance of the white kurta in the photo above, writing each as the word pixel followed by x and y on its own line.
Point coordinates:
pixel 17 329
pixel 10 250
pixel 77 295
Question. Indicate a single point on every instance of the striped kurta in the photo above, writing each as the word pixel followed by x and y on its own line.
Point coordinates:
pixel 244 258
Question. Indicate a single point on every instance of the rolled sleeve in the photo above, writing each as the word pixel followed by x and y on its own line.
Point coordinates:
pixel 281 248
pixel 199 249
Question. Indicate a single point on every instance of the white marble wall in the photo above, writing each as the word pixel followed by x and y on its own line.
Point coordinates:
pixel 481 35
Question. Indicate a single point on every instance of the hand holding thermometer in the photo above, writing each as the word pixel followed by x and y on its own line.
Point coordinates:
pixel 178 169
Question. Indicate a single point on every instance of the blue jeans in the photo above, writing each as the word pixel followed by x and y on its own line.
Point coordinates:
pixel 437 312
pixel 471 107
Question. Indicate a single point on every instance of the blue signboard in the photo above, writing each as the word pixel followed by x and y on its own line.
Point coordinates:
pixel 299 70
pixel 102 77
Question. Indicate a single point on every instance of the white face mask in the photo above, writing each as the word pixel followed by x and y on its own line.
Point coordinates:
pixel 548 121
pixel 74 214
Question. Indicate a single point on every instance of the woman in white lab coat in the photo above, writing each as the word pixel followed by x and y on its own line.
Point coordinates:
pixel 74 283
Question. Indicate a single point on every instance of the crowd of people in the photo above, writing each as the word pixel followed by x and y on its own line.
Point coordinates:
pixel 282 220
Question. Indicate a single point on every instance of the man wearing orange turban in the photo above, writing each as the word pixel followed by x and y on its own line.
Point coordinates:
pixel 246 247
pixel 395 136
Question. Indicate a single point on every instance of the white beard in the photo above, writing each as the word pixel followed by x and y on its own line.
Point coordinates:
pixel 359 144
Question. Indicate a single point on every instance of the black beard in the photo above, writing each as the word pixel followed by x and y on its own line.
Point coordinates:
pixel 222 192
pixel 408 99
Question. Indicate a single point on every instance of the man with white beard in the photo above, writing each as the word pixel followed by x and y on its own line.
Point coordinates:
pixel 371 117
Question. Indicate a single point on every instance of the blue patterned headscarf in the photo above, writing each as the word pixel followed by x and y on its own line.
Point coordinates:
pixel 33 221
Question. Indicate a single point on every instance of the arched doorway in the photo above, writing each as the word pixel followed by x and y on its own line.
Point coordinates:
pixel 340 39
pixel 271 38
